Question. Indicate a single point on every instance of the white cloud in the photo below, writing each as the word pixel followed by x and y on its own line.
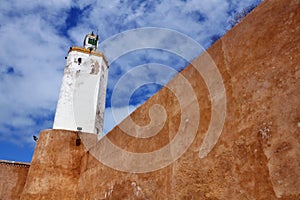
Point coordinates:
pixel 33 49
pixel 31 63
pixel 150 73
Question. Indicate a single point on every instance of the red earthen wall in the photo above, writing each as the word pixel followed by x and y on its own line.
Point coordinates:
pixel 12 179
pixel 55 166
pixel 257 154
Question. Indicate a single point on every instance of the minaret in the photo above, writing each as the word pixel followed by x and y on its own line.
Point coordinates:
pixel 81 101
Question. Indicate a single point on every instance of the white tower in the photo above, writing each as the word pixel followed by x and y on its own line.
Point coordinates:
pixel 82 96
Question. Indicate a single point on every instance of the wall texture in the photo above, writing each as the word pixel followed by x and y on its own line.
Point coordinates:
pixel 82 93
pixel 12 179
pixel 55 166
pixel 256 155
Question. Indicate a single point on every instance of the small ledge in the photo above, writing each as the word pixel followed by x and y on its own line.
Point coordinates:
pixel 13 163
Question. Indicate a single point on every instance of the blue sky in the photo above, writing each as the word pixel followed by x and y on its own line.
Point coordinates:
pixel 35 38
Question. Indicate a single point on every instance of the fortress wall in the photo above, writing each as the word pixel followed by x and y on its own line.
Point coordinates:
pixel 12 179
pixel 255 157
pixel 55 166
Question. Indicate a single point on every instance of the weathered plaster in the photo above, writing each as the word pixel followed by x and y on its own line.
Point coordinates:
pixel 82 93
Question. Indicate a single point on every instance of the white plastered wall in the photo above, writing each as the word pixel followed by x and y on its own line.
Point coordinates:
pixel 82 96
